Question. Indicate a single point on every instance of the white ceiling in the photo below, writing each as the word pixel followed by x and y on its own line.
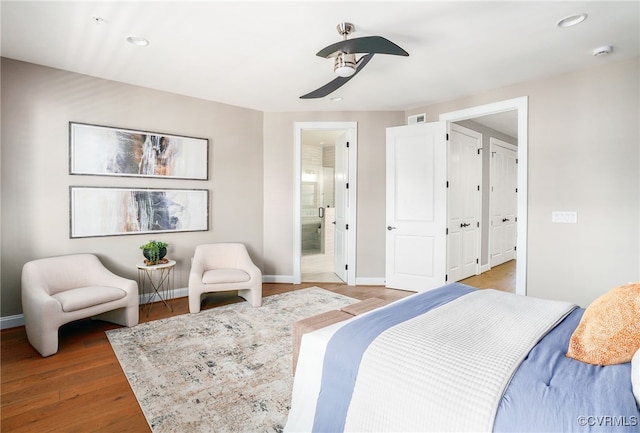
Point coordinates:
pixel 261 54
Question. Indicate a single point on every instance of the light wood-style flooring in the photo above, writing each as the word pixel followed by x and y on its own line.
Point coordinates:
pixel 83 389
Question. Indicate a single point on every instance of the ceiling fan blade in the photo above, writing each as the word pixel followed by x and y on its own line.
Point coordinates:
pixel 338 82
pixel 367 44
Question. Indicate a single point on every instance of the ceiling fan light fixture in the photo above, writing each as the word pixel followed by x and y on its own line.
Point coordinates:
pixel 345 65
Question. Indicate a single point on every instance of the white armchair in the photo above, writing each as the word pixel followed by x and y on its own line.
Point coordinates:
pixel 59 290
pixel 221 267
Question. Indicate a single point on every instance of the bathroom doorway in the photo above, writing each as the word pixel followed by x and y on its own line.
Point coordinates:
pixel 317 200
pixel 325 211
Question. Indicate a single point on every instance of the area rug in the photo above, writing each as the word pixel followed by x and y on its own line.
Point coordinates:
pixel 225 369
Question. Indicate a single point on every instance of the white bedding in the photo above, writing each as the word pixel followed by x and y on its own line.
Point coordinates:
pixel 452 363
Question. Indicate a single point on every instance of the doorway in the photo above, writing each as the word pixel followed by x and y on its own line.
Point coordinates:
pixel 325 202
pixel 317 201
pixel 519 107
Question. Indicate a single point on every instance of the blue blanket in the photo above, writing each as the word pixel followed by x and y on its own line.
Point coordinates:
pixel 548 393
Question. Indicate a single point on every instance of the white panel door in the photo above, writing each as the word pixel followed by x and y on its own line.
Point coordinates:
pixel 341 206
pixel 504 201
pixel 464 203
pixel 416 206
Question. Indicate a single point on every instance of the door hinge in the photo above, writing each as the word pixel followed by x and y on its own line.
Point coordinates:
pixel 477 261
pixel 347 144
pixel 516 160
pixel 347 227
pixel 447 184
pixel 346 267
pixel 515 248
pixel 478 224
pixel 446 231
pixel 479 151
pixel 516 190
pixel 447 136
pixel 346 185
pixel 446 277
pixel 478 187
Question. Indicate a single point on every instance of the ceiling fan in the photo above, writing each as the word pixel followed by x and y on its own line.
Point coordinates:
pixel 345 64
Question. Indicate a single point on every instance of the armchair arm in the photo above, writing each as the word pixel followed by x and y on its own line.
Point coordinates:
pixel 195 274
pixel 99 275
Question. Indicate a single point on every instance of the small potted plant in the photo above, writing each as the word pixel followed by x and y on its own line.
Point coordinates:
pixel 154 251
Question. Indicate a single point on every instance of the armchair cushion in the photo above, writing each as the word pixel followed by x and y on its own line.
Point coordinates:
pixel 218 276
pixel 85 297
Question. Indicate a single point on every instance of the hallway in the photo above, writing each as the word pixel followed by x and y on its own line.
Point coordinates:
pixel 501 277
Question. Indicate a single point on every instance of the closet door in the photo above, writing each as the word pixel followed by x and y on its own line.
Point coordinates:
pixel 464 199
pixel 504 201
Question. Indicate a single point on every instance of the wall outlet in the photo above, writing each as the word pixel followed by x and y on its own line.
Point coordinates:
pixel 564 217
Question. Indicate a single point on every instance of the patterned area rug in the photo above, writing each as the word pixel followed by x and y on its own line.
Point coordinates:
pixel 226 369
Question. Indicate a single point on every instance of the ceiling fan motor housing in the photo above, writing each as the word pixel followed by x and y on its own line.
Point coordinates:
pixel 345 65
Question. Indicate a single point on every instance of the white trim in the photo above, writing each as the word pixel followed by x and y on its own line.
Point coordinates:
pixel 520 104
pixel 351 129
pixel 278 279
pixel 177 293
pixel 14 321
pixel 370 281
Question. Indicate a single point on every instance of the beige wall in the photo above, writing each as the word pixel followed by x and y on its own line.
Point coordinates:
pixel 37 105
pixel 584 156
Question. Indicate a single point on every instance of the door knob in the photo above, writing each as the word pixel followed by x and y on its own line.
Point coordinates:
pixel 504 220
pixel 391 228
pixel 465 224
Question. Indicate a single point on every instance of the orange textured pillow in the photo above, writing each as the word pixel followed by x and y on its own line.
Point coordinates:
pixel 609 331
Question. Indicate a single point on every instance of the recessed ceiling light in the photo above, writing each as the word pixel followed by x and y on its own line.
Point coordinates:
pixel 572 20
pixel 137 40
pixel 336 99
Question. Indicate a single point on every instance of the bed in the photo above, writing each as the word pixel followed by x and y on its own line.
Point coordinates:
pixel 458 359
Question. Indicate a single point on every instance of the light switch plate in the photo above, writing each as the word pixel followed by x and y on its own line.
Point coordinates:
pixel 564 217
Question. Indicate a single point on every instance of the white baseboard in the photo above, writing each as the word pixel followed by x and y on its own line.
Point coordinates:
pixel 371 281
pixel 485 268
pixel 12 321
pixel 177 293
pixel 287 279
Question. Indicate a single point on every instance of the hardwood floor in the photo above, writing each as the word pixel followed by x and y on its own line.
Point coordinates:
pixel 501 277
pixel 83 389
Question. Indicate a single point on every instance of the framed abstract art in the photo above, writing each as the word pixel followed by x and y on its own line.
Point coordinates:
pixel 107 151
pixel 107 211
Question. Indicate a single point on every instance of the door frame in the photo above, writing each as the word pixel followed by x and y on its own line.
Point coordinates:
pixel 521 105
pixel 351 129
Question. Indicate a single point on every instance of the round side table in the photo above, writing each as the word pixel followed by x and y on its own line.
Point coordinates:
pixel 154 281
